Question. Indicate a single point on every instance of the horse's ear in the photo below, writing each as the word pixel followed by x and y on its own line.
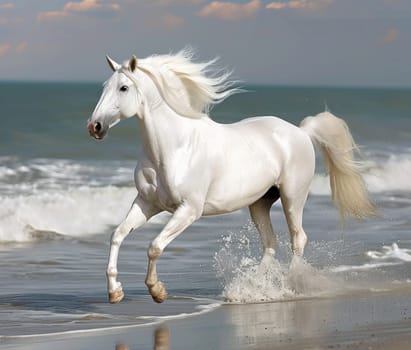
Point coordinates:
pixel 133 63
pixel 113 65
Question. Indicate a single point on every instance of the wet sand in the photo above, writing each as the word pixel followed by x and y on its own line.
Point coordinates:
pixel 362 321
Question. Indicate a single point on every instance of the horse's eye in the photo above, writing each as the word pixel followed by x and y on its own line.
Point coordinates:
pixel 124 88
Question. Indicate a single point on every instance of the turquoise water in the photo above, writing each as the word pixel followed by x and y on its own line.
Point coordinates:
pixel 48 119
pixel 62 193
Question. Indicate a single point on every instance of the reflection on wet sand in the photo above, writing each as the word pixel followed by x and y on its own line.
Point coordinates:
pixel 262 324
pixel 357 321
pixel 320 323
pixel 161 339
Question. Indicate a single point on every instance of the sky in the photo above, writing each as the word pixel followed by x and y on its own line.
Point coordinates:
pixel 291 42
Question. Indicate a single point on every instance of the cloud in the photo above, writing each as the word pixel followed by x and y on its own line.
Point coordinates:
pixel 22 47
pixel 172 21
pixel 7 6
pixel 298 4
pixel 7 19
pixel 89 6
pixel 84 6
pixel 390 36
pixel 7 48
pixel 4 49
pixel 51 15
pixel 230 10
pixel 175 2
pixel 10 20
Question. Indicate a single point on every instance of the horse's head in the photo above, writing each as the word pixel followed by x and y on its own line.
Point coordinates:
pixel 119 100
pixel 171 80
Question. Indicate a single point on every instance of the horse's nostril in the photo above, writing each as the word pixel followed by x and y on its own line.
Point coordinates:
pixel 97 127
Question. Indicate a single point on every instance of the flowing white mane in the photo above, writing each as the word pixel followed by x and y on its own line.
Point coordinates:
pixel 197 88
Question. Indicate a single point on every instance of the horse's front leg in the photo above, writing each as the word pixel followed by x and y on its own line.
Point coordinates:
pixel 183 217
pixel 138 215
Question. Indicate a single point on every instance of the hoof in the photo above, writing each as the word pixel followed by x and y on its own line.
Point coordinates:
pixel 158 292
pixel 116 296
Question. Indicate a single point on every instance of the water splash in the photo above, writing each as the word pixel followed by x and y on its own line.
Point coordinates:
pixel 244 279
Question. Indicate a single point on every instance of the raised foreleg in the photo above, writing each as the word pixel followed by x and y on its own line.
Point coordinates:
pixel 183 217
pixel 138 215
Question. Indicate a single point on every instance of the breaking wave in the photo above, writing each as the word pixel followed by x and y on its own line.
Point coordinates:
pixel 53 199
pixel 75 212
pixel 388 256
pixel 77 198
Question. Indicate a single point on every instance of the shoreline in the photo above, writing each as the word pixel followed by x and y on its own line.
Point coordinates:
pixel 374 321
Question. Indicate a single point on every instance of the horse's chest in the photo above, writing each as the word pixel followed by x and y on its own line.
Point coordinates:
pixel 161 188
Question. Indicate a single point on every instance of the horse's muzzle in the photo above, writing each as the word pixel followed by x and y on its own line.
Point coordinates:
pixel 96 130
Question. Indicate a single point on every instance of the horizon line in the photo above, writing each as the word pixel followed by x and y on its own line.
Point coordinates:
pixel 251 84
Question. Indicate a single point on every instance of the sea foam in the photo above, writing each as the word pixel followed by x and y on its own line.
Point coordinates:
pixel 74 212
pixel 391 255
pixel 79 198
pixel 61 197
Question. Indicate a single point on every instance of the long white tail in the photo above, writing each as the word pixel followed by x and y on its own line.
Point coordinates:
pixel 348 189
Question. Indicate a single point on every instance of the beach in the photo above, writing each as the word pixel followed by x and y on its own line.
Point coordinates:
pixel 376 321
pixel 62 194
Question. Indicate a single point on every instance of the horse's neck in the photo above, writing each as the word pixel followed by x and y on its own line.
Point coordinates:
pixel 163 132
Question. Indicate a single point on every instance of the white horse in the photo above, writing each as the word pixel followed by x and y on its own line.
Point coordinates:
pixel 193 166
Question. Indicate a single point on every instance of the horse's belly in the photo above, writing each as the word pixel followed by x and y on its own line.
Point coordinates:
pixel 239 191
pixel 227 205
pixel 223 207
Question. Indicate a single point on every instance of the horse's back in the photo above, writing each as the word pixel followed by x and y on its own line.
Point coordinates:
pixel 276 129
pixel 283 138
pixel 293 143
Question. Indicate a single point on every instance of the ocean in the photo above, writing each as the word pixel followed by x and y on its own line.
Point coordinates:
pixel 63 193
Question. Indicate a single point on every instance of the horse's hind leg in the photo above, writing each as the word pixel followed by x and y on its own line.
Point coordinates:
pixel 293 202
pixel 260 214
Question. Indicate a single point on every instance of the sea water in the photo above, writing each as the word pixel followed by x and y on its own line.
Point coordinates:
pixel 63 193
